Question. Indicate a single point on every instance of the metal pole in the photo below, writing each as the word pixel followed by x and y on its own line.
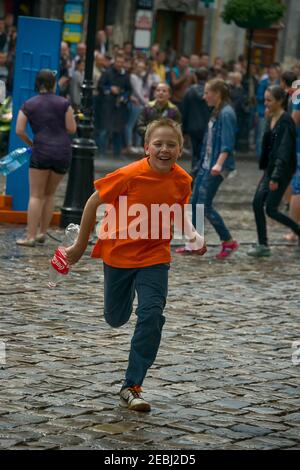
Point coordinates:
pixel 249 55
pixel 81 176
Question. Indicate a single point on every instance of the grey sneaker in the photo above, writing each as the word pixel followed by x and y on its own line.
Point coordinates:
pixel 132 399
pixel 259 251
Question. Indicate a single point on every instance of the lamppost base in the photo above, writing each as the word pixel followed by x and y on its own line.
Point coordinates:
pixel 80 182
pixel 69 215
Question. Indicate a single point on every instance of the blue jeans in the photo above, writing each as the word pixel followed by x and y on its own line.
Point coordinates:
pixel 151 285
pixel 102 142
pixel 296 178
pixel 204 190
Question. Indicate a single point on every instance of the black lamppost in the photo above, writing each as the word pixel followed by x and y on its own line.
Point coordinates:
pixel 81 175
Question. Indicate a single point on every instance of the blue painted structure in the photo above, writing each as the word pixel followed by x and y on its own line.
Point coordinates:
pixel 38 47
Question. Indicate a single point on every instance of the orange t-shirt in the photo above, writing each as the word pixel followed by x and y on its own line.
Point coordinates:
pixel 141 185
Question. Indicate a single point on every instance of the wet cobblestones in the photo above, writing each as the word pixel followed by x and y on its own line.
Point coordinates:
pixel 224 377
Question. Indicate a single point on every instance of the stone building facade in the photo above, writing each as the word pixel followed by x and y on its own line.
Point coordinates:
pixel 183 20
pixel 191 27
pixel 187 26
pixel 288 50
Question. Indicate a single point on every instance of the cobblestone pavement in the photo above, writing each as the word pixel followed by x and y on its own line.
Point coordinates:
pixel 224 377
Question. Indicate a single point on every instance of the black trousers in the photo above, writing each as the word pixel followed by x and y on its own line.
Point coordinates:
pixel 196 140
pixel 266 201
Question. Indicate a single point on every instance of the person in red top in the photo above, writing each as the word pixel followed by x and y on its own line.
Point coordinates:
pixel 136 250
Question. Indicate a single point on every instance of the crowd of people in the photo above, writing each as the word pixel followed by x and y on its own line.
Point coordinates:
pixel 125 80
pixel 136 89
pixel 137 75
pixel 217 104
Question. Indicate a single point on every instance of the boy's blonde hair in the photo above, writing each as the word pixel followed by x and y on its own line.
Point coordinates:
pixel 164 122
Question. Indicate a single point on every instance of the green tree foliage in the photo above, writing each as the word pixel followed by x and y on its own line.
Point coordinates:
pixel 253 14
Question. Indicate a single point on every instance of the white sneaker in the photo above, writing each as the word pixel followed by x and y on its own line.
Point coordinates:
pixel 132 399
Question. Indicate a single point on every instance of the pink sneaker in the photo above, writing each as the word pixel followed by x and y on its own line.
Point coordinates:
pixel 227 249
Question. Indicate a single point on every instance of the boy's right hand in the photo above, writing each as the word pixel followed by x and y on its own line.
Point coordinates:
pixel 74 253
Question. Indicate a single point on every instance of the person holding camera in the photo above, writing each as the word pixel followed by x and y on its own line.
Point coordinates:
pixel 112 105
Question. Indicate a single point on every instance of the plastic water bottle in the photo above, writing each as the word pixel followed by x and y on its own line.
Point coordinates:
pixel 59 266
pixel 14 160
pixel 2 91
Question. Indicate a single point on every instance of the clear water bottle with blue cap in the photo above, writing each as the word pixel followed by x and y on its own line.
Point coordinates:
pixel 14 160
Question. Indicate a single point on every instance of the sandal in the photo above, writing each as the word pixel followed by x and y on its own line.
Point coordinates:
pixel 25 242
pixel 184 251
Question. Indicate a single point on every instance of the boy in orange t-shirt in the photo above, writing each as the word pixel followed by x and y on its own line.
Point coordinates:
pixel 138 260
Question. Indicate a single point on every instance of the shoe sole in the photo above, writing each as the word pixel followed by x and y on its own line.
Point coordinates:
pixel 190 253
pixel 267 255
pixel 25 243
pixel 185 252
pixel 140 407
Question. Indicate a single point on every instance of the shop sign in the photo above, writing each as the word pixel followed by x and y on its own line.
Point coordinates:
pixel 143 19
pixel 73 13
pixel 144 4
pixel 142 39
pixel 72 32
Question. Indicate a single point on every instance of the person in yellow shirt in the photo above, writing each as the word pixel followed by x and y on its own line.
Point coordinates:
pixel 159 66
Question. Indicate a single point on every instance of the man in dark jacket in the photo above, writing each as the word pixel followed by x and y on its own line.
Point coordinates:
pixel 3 37
pixel 195 114
pixel 111 106
pixel 241 105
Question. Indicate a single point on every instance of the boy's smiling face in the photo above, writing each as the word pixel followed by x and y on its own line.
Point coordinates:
pixel 163 149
